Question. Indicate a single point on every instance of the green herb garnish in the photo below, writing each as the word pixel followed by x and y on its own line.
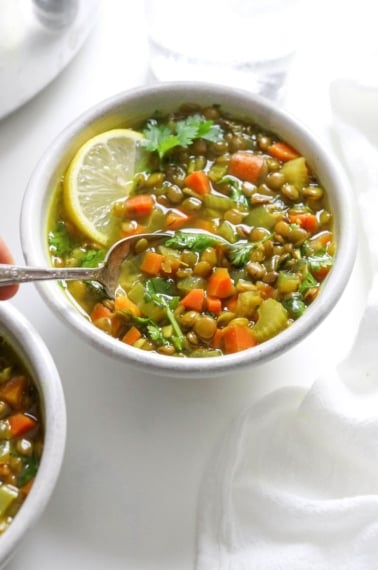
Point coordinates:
pixel 92 258
pixel 163 138
pixel 194 242
pixel 30 470
pixel 59 240
pixel 239 253
pixel 161 292
pixel 319 259
pixel 236 193
pixel 308 282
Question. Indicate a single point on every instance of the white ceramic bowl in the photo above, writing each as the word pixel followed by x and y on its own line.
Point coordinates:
pixel 32 351
pixel 134 106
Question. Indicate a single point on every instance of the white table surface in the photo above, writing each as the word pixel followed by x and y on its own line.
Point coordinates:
pixel 138 444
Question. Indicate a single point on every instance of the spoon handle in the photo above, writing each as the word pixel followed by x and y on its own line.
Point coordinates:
pixel 10 274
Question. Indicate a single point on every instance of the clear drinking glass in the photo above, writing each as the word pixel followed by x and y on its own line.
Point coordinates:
pixel 247 43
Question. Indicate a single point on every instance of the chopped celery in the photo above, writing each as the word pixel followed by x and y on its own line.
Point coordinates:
pixel 5 374
pixel 8 494
pixel 152 311
pixel 227 231
pixel 272 320
pixel 247 303
pixel 157 220
pixel 295 172
pixel 4 451
pixel 193 282
pixel 136 293
pixel 218 202
pixel 217 171
pixel 203 353
pixel 261 217
pixel 287 282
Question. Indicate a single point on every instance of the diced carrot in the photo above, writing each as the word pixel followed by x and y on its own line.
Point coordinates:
pixel 132 228
pixel 175 219
pixel 11 392
pixel 132 335
pixel 20 423
pixel 220 283
pixel 321 240
pixel 213 305
pixel 170 264
pixel 99 311
pixel 217 340
pixel 194 300
pixel 207 225
pixel 247 166
pixel 199 182
pixel 283 151
pixel 231 303
pixel 123 303
pixel 139 205
pixel 25 489
pixel 307 221
pixel 266 291
pixel 321 272
pixel 237 338
pixel 151 262
pixel 117 323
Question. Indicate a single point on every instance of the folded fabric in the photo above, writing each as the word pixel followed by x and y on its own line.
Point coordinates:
pixel 294 485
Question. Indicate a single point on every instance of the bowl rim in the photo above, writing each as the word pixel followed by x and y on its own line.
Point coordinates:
pixel 33 352
pixel 267 114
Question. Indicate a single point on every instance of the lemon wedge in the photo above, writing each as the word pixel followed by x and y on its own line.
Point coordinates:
pixel 101 173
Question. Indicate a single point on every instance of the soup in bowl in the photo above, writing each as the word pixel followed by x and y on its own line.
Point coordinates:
pixel 32 428
pixel 255 211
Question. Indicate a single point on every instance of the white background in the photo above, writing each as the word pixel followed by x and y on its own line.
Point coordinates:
pixel 138 444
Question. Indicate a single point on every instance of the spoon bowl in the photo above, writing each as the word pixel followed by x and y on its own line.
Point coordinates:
pixel 107 274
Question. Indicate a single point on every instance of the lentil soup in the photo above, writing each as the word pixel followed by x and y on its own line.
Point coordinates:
pixel 21 433
pixel 266 246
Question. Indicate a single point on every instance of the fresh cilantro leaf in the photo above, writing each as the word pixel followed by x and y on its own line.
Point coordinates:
pixel 319 259
pixel 308 282
pixel 92 258
pixel 236 193
pixel 159 286
pixel 210 132
pixel 162 138
pixel 197 127
pixel 97 288
pixel 152 329
pixel 30 470
pixel 194 242
pixel 59 240
pixel 155 333
pixel 159 291
pixel 239 253
pixel 159 138
pixel 187 130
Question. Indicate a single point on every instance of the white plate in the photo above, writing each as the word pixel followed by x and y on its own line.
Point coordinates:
pixel 35 45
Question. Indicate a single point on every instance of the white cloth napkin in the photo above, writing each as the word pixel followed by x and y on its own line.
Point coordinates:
pixel 294 486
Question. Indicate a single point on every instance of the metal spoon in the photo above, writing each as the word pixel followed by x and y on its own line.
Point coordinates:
pixel 107 274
